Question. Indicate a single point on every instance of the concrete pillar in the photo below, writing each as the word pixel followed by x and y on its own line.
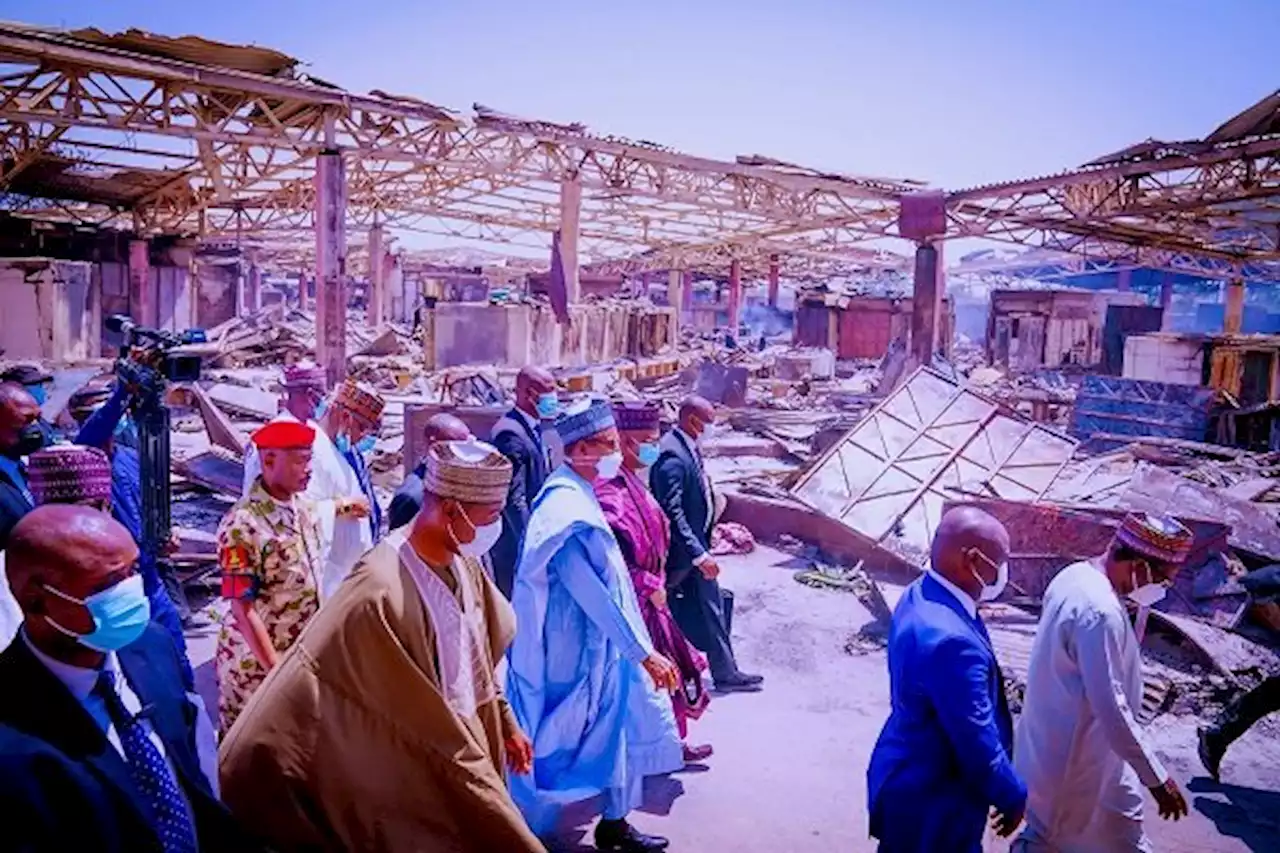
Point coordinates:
pixel 375 310
pixel 1166 301
pixel 570 212
pixel 686 296
pixel 331 265
pixel 774 275
pixel 926 303
pixel 253 289
pixel 735 296
pixel 302 290
pixel 1233 297
pixel 675 294
pixel 398 287
pixel 142 295
pixel 1124 281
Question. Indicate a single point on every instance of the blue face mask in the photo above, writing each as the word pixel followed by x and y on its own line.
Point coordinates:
pixel 365 445
pixel 647 454
pixel 342 443
pixel 39 393
pixel 321 408
pixel 120 615
pixel 548 406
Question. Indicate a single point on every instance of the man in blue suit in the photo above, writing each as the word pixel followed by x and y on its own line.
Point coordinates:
pixel 944 758
pixel 97 736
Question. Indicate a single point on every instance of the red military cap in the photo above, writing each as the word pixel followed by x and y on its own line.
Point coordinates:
pixel 284 435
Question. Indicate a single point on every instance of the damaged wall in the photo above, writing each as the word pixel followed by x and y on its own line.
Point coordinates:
pixel 52 310
pixel 514 335
pixel 1050 328
pixel 861 327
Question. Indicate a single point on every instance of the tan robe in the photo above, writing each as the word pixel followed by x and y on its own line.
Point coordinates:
pixel 352 742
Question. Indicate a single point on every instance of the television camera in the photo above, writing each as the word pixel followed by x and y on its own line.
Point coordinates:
pixel 149 360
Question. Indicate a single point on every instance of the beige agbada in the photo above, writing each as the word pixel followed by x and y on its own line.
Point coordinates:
pixel 376 732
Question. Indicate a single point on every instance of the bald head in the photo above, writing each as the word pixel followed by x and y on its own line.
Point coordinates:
pixel 19 413
pixel 445 427
pixel 695 414
pixel 71 547
pixel 968 547
pixel 533 382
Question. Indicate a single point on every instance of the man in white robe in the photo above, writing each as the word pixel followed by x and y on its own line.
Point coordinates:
pixel 347 510
pixel 1078 745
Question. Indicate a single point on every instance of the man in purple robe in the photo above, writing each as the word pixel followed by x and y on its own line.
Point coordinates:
pixel 644 535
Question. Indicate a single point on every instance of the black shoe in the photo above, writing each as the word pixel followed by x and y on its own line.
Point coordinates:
pixel 1210 752
pixel 739 683
pixel 618 836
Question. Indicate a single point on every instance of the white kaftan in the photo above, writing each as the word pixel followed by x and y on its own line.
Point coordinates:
pixel 343 540
pixel 10 612
pixel 1078 745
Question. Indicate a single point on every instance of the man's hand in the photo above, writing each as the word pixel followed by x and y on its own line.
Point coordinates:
pixel 1173 806
pixel 1006 824
pixel 659 598
pixel 354 508
pixel 710 568
pixel 662 671
pixel 519 753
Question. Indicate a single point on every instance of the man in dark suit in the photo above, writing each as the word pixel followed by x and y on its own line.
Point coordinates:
pixel 944 758
pixel 20 436
pixel 518 436
pixel 407 500
pixel 681 486
pixel 97 736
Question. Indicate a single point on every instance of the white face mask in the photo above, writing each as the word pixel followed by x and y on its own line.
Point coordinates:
pixel 990 592
pixel 486 537
pixel 607 467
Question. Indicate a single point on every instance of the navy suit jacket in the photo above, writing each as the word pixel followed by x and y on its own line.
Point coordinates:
pixel 14 502
pixel 676 480
pixel 64 787
pixel 515 440
pixel 944 757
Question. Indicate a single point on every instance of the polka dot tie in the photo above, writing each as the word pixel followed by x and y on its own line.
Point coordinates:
pixel 150 772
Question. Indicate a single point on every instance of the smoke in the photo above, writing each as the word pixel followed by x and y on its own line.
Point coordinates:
pixel 762 319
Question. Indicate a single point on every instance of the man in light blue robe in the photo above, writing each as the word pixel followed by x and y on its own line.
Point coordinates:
pixel 584 680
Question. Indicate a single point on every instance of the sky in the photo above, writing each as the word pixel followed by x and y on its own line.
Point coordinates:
pixel 954 92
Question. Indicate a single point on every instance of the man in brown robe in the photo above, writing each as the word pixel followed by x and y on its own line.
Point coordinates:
pixel 384 727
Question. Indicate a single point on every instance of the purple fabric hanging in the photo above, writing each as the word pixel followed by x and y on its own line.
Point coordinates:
pixel 555 282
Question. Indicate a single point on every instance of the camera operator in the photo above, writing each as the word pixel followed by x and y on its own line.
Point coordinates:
pixel 99 426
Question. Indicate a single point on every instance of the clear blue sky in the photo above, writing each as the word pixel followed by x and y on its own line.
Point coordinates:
pixel 956 92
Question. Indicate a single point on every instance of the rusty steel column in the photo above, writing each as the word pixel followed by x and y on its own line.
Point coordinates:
pixel 142 295
pixel 926 303
pixel 774 276
pixel 331 265
pixel 253 288
pixel 1233 315
pixel 1166 301
pixel 675 295
pixel 735 296
pixel 375 309
pixel 570 213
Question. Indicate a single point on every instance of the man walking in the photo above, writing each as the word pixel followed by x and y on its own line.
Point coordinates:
pixel 518 436
pixel 1079 746
pixel 942 761
pixel 584 680
pixel 98 739
pixel 680 484
pixel 386 728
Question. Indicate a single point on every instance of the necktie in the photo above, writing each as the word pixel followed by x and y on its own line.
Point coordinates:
pixel 151 774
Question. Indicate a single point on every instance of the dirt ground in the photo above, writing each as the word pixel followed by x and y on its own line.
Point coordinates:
pixel 789 769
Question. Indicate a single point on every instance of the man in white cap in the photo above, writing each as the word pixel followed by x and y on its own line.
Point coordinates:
pixel 385 728
pixel 1078 745
pixel 584 680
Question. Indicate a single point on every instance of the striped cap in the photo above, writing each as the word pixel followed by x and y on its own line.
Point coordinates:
pixel 583 418
pixel 1158 537
pixel 469 471
pixel 360 399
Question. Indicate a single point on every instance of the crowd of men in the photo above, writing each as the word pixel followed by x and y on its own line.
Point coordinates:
pixel 532 629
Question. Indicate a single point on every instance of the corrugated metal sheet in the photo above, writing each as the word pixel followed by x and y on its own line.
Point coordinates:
pixel 1123 321
pixel 1110 404
pixel 812 325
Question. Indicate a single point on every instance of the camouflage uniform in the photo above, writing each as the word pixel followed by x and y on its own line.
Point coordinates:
pixel 270 554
